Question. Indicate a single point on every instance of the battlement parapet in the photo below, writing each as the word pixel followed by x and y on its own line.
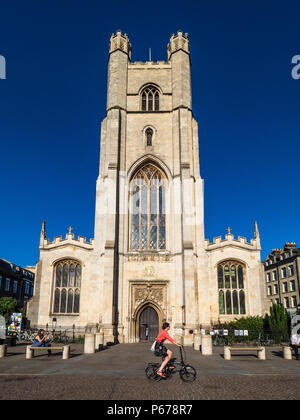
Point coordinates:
pixel 149 64
pixel 120 42
pixel 229 240
pixel 178 42
pixel 70 239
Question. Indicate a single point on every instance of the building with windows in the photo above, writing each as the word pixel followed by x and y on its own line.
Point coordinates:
pixel 16 282
pixel 149 260
pixel 282 276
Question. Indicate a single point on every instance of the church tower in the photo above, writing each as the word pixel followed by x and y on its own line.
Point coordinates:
pixel 149 208
pixel 148 261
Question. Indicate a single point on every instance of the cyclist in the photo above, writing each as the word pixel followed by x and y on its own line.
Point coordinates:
pixel 161 350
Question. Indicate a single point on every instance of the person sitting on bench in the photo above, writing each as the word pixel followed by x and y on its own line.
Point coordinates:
pixel 295 344
pixel 40 341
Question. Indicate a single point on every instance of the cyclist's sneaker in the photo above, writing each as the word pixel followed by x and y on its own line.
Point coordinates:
pixel 161 374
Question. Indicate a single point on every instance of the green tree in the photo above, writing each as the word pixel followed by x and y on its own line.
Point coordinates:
pixel 8 306
pixel 279 322
pixel 253 324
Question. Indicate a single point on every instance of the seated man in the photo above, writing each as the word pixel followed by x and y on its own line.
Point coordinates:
pixel 295 344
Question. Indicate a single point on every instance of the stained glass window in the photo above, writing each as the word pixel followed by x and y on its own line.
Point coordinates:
pixel 148 219
pixel 65 275
pixel 67 278
pixel 233 277
pixel 221 302
pixel 235 302
pixel 70 301
pixel 58 275
pixel 231 288
pixel 76 302
pixel 228 303
pixel 241 277
pixel 227 277
pixel 242 303
pixel 72 275
pixel 63 301
pixel 220 277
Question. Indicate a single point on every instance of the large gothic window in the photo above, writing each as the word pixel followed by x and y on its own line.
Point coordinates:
pixel 150 99
pixel 147 209
pixel 67 283
pixel 231 275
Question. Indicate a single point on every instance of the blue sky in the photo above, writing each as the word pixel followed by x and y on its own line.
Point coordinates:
pixel 53 101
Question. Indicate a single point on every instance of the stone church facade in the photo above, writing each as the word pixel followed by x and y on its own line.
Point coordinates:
pixel 148 261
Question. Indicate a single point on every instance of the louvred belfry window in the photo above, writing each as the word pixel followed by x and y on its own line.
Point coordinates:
pixel 150 99
pixel 147 209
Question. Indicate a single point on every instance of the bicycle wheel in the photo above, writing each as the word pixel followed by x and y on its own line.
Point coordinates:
pixel 187 373
pixel 150 372
pixel 168 372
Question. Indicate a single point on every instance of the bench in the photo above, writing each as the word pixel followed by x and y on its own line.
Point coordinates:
pixel 261 351
pixel 65 351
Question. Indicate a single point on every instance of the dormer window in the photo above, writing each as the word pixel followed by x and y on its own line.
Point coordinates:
pixel 150 99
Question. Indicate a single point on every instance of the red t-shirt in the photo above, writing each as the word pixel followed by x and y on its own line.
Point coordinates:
pixel 163 335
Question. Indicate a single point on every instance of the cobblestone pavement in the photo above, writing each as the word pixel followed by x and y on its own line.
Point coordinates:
pixel 118 374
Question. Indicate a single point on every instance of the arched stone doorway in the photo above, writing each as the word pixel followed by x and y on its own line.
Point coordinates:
pixel 148 324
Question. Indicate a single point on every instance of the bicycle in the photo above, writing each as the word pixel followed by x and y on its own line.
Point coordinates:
pixel 58 337
pixel 187 372
pixel 27 335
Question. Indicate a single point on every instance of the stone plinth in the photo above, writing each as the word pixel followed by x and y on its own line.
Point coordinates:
pixel 206 346
pixel 227 353
pixel 3 349
pixel 29 353
pixel 89 343
pixel 66 352
pixel 287 353
pixel 197 341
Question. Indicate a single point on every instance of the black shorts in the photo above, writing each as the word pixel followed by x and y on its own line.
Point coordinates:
pixel 161 350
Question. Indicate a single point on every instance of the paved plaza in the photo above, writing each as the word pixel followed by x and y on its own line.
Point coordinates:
pixel 117 373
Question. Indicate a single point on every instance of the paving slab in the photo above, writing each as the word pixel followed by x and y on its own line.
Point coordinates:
pixel 118 373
